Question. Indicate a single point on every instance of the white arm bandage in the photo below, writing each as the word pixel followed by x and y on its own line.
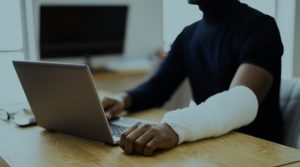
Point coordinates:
pixel 218 115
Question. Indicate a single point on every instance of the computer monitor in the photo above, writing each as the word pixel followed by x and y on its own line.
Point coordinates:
pixel 82 30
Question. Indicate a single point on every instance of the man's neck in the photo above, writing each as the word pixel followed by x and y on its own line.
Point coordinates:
pixel 216 10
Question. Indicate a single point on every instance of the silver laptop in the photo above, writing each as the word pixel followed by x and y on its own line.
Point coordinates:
pixel 63 98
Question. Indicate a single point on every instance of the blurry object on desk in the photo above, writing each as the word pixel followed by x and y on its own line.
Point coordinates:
pixel 24 118
pixel 7 111
pixel 18 114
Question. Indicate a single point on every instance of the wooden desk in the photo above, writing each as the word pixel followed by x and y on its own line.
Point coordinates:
pixel 116 82
pixel 35 147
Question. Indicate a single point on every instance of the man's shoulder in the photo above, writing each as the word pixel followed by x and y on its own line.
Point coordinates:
pixel 250 16
pixel 192 27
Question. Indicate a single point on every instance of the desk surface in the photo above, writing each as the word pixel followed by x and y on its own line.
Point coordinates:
pixel 36 147
pixel 115 82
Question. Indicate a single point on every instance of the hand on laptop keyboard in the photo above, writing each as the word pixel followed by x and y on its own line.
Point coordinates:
pixel 114 105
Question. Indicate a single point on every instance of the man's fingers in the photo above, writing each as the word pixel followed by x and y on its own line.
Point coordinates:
pixel 126 133
pixel 107 102
pixel 130 140
pixel 113 111
pixel 143 140
pixel 108 115
pixel 151 146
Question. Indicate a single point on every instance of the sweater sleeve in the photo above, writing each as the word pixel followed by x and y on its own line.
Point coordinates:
pixel 159 88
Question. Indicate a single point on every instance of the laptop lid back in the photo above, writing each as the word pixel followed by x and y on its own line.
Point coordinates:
pixel 63 98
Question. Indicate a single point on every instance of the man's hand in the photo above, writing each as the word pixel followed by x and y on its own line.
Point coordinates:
pixel 116 104
pixel 145 139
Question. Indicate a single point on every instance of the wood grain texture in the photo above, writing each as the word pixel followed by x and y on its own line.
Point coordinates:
pixel 35 147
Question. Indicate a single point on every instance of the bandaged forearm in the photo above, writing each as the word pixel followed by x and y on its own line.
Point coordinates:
pixel 218 115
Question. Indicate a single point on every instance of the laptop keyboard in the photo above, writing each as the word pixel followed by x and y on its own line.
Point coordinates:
pixel 117 130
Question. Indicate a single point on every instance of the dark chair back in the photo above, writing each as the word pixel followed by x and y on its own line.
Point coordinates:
pixel 290 108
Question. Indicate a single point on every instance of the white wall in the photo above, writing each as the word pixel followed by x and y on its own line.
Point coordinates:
pixel 144 32
pixel 11 91
pixel 11 48
pixel 177 15
pixel 296 62
pixel 285 17
pixel 10 29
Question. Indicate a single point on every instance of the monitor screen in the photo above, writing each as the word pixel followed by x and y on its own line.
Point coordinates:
pixel 72 31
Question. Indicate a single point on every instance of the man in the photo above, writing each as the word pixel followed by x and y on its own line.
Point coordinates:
pixel 232 58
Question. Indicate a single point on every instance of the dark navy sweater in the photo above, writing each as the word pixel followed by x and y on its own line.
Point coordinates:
pixel 209 53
